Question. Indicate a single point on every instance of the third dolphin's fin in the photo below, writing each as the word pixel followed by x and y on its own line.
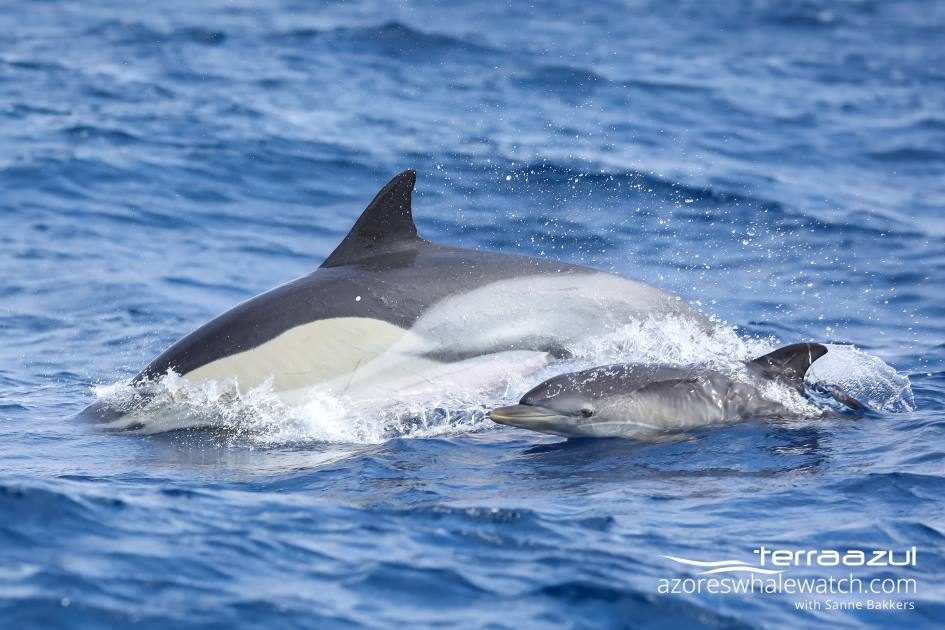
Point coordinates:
pixel 789 364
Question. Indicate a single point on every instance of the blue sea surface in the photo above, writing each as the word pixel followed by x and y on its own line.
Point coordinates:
pixel 780 165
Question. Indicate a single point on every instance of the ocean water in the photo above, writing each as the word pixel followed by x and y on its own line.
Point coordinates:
pixel 780 165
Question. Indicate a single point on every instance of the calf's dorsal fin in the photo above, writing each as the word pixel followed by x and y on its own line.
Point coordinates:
pixel 790 363
pixel 385 225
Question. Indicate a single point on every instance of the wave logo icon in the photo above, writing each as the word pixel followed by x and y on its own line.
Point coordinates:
pixel 722 566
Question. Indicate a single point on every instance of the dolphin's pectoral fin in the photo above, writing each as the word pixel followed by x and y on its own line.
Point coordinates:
pixel 790 363
pixel 385 225
pixel 452 355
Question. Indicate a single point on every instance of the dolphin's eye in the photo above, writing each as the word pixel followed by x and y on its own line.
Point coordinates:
pixel 587 412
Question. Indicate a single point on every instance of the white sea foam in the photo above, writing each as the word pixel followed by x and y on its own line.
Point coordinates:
pixel 263 416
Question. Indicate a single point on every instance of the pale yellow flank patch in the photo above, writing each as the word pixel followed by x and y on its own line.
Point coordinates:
pixel 306 355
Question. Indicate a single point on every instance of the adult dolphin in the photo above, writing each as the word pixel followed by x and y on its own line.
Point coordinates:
pixel 388 307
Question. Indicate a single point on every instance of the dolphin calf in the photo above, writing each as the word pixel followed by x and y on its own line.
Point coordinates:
pixel 641 401
pixel 388 311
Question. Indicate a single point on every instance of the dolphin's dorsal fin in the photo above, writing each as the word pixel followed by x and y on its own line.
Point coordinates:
pixel 790 363
pixel 385 225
